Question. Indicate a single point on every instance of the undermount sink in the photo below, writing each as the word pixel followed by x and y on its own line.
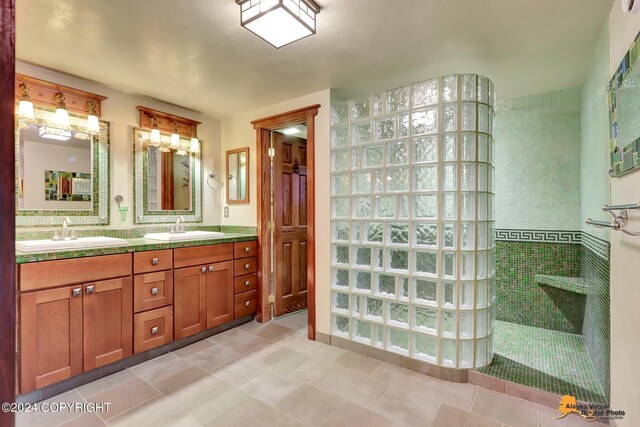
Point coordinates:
pixel 67 244
pixel 187 235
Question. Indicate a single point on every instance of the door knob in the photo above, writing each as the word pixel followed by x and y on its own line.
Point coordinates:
pixel 90 289
pixel 247 283
pixel 211 268
pixel 76 292
pixel 203 269
pixel 155 261
pixel 154 330
pixel 154 291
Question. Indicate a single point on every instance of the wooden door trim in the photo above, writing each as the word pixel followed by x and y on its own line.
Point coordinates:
pixel 263 127
pixel 7 209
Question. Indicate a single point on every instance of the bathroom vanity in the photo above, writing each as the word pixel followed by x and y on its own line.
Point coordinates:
pixel 78 311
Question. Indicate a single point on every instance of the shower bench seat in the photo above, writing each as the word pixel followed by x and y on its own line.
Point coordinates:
pixel 571 284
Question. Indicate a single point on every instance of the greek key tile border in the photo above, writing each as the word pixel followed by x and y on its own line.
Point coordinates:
pixel 596 245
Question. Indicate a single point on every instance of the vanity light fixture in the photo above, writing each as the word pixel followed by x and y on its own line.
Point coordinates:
pixel 195 144
pixel 25 107
pixel 62 114
pixel 175 137
pixel 55 133
pixel 155 132
pixel 279 22
pixel 93 124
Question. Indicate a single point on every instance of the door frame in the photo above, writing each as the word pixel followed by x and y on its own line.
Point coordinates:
pixel 7 209
pixel 263 128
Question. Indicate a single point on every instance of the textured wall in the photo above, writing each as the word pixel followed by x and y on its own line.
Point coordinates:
pixel 538 161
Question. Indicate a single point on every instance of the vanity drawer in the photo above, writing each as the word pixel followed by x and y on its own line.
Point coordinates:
pixel 145 262
pixel 245 249
pixel 245 266
pixel 152 329
pixel 245 283
pixel 199 255
pixel 48 274
pixel 246 303
pixel 152 290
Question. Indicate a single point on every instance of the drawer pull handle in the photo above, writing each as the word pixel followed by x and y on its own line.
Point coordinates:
pixel 154 330
pixel 91 289
pixel 246 266
pixel 211 268
pixel 246 304
pixel 154 291
pixel 247 283
pixel 154 261
pixel 247 250
pixel 203 269
pixel 76 292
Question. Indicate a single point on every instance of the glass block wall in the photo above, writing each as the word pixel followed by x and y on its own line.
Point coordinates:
pixel 413 248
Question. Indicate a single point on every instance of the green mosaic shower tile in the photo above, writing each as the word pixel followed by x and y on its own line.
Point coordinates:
pixel 571 284
pixel 548 360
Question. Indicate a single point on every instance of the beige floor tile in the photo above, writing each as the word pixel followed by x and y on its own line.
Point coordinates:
pixel 270 387
pixel 253 347
pixel 393 374
pixel 124 397
pixel 39 418
pixel 448 416
pixel 251 413
pixel 88 419
pixel 297 320
pixel 213 357
pixel 292 423
pixel 456 394
pixel 97 386
pixel 353 386
pixel 506 409
pixel 309 405
pixel 350 414
pixel 271 331
pixel 358 362
pixel 299 342
pixel 160 367
pixel 193 348
pixel 547 418
pixel 156 412
pixel 314 371
pixel 406 407
pixel 240 370
pixel 283 358
pixel 232 337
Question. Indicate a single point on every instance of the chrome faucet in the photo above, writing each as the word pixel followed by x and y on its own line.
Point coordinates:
pixel 178 227
pixel 66 233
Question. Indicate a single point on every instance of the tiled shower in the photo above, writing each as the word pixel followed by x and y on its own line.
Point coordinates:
pixel 413 247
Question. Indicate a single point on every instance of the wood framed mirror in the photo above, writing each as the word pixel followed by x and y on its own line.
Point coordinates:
pixel 238 176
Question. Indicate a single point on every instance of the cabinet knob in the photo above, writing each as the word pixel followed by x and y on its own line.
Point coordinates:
pixel 203 269
pixel 154 261
pixel 76 292
pixel 246 266
pixel 154 330
pixel 246 304
pixel 91 289
pixel 247 250
pixel 211 268
pixel 154 291
pixel 247 283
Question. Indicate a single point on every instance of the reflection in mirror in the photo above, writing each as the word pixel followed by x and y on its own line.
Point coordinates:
pixel 238 176
pixel 54 170
pixel 168 180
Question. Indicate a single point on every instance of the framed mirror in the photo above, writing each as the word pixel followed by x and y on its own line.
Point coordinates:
pixel 624 108
pixel 61 172
pixel 167 181
pixel 238 176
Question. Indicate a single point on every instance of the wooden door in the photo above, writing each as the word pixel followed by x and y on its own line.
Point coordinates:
pixel 107 313
pixel 220 301
pixel 189 301
pixel 50 336
pixel 290 218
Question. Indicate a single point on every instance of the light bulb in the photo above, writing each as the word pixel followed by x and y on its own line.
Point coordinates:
pixel 195 145
pixel 25 107
pixel 62 114
pixel 93 124
pixel 175 141
pixel 155 137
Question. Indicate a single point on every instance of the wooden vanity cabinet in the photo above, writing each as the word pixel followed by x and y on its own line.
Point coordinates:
pixel 189 301
pixel 245 266
pixel 219 293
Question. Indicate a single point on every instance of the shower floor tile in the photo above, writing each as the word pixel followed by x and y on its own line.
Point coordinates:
pixel 548 360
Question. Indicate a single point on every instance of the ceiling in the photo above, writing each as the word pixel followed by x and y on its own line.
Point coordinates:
pixel 194 53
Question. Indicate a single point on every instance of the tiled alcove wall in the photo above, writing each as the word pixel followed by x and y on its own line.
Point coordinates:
pixel 413 248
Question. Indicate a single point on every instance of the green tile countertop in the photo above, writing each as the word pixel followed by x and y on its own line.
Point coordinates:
pixel 137 244
pixel 571 284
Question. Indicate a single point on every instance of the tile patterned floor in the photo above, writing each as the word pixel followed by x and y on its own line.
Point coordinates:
pixel 271 375
pixel 545 359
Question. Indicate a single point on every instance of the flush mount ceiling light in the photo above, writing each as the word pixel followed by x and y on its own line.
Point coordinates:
pixel 291 131
pixel 279 22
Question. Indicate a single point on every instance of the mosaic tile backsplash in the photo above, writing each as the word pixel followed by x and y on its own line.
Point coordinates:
pixel 413 249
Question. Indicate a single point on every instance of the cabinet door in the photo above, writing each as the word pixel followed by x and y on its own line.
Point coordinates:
pixel 107 311
pixel 219 293
pixel 50 336
pixel 189 301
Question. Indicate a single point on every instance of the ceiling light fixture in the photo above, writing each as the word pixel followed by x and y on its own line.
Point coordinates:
pixel 62 114
pixel 195 144
pixel 93 123
pixel 291 131
pixel 175 137
pixel 25 107
pixel 279 22
pixel 154 140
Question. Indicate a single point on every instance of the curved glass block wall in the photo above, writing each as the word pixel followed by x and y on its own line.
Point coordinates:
pixel 413 248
